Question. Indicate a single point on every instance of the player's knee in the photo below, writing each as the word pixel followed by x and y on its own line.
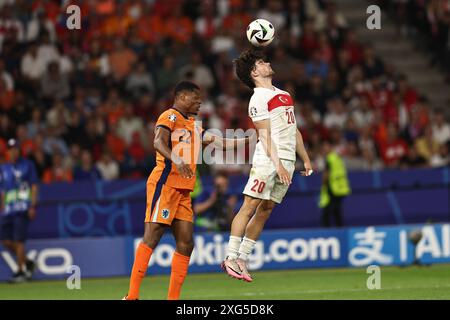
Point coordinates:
pixel 150 241
pixel 185 247
pixel 263 215
pixel 249 207
pixel 264 212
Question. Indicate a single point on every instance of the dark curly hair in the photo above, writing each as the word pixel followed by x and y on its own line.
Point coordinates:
pixel 245 65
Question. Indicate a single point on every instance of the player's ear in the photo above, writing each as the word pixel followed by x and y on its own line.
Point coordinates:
pixel 254 73
pixel 182 96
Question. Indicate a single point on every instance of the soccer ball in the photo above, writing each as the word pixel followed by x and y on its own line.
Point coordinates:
pixel 260 32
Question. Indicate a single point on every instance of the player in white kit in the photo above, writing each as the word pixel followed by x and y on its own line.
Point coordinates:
pixel 272 113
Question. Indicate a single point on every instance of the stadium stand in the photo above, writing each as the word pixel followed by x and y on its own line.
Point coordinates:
pixel 88 99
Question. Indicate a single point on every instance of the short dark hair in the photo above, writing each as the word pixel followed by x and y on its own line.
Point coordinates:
pixel 245 65
pixel 185 86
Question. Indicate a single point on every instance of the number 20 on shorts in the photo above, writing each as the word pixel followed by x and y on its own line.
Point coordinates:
pixel 258 186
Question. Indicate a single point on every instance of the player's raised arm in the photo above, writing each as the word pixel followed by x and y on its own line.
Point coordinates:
pixel 264 133
pixel 161 143
pixel 301 151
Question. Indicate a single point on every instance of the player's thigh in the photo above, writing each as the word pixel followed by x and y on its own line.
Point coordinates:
pixel 184 211
pixel 279 189
pixel 261 179
pixel 163 204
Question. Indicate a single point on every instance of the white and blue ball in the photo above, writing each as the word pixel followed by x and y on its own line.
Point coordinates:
pixel 260 32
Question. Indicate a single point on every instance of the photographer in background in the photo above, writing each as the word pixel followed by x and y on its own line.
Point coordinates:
pixel 214 210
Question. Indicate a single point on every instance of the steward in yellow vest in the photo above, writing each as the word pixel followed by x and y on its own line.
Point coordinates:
pixel 335 187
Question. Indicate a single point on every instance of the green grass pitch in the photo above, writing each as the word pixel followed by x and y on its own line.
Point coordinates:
pixel 414 282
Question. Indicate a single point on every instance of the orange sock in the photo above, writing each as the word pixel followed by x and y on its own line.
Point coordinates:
pixel 180 266
pixel 143 254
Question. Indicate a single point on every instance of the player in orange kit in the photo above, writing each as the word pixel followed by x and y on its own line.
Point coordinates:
pixel 177 142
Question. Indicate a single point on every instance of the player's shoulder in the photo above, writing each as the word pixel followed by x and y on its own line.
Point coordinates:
pixel 280 91
pixel 260 96
pixel 169 114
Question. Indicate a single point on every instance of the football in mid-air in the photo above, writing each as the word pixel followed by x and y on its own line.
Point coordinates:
pixel 260 32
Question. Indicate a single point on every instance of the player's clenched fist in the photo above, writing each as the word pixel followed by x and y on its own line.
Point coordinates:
pixel 308 169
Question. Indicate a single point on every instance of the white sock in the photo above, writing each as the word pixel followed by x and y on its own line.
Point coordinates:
pixel 233 247
pixel 246 248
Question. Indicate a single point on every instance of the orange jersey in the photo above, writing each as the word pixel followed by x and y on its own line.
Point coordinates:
pixel 185 141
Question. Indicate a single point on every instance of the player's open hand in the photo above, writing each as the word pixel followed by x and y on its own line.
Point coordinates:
pixel 308 170
pixel 284 175
pixel 185 170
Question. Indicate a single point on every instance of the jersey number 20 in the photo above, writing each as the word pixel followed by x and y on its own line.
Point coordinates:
pixel 290 117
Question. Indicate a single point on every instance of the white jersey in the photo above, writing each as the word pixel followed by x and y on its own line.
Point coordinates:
pixel 278 106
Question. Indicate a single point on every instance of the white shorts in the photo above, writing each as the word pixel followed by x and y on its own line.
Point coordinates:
pixel 264 183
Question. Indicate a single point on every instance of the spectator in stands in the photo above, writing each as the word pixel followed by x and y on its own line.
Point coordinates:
pixel 442 157
pixel 336 115
pixel 35 125
pixel 426 145
pixel 7 96
pixel 167 75
pixel 352 158
pixel 441 128
pixel 140 81
pixel 274 13
pixel 372 65
pixel 200 72
pixel 215 210
pixel 54 84
pixel 108 167
pixel 121 60
pixel 57 172
pixel 38 25
pixel 32 64
pixel 316 66
pixel 393 148
pixel 54 143
pixel 353 48
pixel 86 170
pixel 330 18
pixel 129 124
pixel 413 159
pixel 5 76
pixel 135 155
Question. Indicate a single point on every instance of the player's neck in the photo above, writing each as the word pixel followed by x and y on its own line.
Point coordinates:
pixel 181 110
pixel 264 83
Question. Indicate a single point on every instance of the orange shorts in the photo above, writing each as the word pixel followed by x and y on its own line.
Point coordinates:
pixel 165 203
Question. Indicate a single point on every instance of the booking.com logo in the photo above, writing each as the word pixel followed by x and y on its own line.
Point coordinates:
pixel 213 251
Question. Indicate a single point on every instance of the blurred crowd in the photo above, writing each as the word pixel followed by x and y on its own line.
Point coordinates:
pixel 426 22
pixel 83 103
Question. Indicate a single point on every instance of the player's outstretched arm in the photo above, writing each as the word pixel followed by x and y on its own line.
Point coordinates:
pixel 301 151
pixel 226 144
pixel 161 143
pixel 264 133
